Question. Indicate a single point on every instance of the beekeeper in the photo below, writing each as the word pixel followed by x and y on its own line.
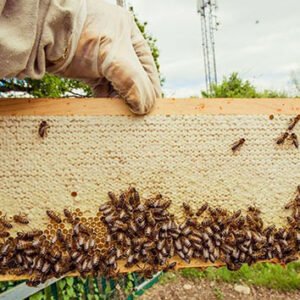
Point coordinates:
pixel 89 40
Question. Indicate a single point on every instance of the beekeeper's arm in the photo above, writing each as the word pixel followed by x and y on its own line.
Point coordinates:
pixel 89 40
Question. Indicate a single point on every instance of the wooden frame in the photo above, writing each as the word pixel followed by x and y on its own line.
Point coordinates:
pixel 99 107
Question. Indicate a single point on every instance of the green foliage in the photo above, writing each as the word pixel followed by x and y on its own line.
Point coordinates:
pixel 218 293
pixel 167 277
pixel 54 87
pixel 235 87
pixel 50 86
pixel 261 274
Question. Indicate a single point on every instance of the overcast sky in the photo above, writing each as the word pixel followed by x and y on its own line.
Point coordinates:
pixel 260 39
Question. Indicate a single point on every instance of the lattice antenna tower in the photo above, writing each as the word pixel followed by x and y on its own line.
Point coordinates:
pixel 207 11
pixel 121 3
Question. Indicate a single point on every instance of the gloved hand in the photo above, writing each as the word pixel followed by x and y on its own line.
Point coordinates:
pixel 113 57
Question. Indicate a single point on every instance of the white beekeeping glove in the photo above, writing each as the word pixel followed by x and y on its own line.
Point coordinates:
pixel 89 40
pixel 113 57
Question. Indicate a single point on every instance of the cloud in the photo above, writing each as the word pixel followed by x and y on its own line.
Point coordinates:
pixel 258 39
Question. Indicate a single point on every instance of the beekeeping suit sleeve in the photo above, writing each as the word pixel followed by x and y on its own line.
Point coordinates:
pixel 89 40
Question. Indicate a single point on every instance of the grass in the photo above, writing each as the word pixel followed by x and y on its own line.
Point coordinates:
pixel 262 274
pixel 218 293
pixel 167 277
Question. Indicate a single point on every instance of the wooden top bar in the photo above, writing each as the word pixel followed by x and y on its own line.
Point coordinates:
pixel 117 107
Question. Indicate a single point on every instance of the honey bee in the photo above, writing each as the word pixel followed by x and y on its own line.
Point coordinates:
pixel 84 229
pixel 216 228
pixel 254 210
pixel 166 204
pixel 186 242
pixel 122 200
pixel 290 204
pixel 236 214
pixel 58 269
pixel 181 255
pixel 140 220
pixel 237 145
pixel 187 209
pixel 282 138
pixel 5 223
pixel 186 231
pixel 294 139
pixel 130 261
pixel 108 211
pixel 19 271
pixel 124 216
pixel 178 245
pixel 96 259
pixel 120 225
pixel 68 214
pixel 140 208
pixel 24 245
pixel 296 213
pixel 294 122
pixel 113 198
pixel 5 248
pixel 21 218
pixel 148 231
pixel 91 243
pixel 202 209
pixel 29 235
pixel 31 252
pixel 105 206
pixel 110 219
pixel 150 219
pixel 4 234
pixel 269 230
pixel 43 129
pixel 209 231
pixel 205 254
pixel 160 244
pixel 53 216
pixel 35 281
pixel 55 252
pixel 46 267
pixel 289 259
pixel 134 198
pixel 206 222
pixel 277 249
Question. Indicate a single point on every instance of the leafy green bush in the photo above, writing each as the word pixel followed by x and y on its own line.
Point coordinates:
pixel 235 87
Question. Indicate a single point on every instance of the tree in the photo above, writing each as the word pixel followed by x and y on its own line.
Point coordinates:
pixel 235 87
pixel 295 77
pixel 55 87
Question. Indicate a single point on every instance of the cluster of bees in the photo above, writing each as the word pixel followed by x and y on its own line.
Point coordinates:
pixel 288 134
pixel 145 235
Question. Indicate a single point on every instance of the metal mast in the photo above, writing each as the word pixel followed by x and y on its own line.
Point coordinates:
pixel 206 9
pixel 121 3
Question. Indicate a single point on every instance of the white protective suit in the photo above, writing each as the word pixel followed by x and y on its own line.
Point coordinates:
pixel 89 40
